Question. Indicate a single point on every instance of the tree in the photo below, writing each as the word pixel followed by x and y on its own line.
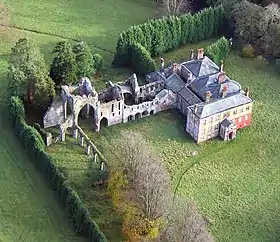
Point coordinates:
pixel 146 182
pixel 141 60
pixel 246 19
pixel 64 67
pixel 85 67
pixel 98 62
pixel 269 28
pixel 174 7
pixel 184 223
pixel 28 75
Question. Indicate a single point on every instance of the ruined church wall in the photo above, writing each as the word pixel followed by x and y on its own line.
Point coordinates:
pixel 112 111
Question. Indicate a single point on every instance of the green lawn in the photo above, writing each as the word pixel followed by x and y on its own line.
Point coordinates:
pixel 29 211
pixel 236 185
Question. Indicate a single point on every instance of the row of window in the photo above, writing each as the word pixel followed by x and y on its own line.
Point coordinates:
pixel 226 114
pixel 113 105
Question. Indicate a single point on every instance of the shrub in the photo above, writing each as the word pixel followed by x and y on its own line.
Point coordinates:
pixel 165 34
pixel 141 60
pixel 34 144
pixel 41 131
pixel 219 50
pixel 98 62
pixel 248 51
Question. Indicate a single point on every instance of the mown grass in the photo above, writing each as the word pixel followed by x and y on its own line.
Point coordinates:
pixel 29 211
pixel 235 184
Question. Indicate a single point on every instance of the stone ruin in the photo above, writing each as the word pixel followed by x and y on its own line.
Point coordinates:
pixel 118 103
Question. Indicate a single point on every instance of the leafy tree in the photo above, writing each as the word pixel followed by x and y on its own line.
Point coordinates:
pixel 98 62
pixel 64 67
pixel 28 75
pixel 84 60
pixel 141 60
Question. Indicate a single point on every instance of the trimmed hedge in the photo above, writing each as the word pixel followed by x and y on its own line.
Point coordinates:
pixel 141 60
pixel 34 145
pixel 219 50
pixel 168 33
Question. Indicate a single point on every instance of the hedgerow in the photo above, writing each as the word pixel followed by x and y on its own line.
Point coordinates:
pixel 168 33
pixel 35 147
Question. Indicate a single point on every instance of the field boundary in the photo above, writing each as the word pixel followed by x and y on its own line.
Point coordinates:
pixel 54 35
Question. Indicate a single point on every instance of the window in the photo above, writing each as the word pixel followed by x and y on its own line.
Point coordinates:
pixel 235 111
pixel 119 106
pixel 248 108
pixel 216 126
pixel 205 122
pixel 245 124
pixel 211 119
pixel 246 117
pixel 113 114
pixel 240 120
pixel 112 107
pixel 242 110
pixel 218 117
pixel 119 112
pixel 101 114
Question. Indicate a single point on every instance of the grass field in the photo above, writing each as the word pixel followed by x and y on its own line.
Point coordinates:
pixel 29 212
pixel 235 184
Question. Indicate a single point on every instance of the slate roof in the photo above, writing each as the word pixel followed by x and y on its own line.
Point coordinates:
pixel 227 123
pixel 154 76
pixel 201 67
pixel 189 96
pixel 175 83
pixel 162 94
pixel 207 109
pixel 210 83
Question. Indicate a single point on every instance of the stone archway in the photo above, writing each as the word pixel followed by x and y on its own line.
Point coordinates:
pixel 103 122
pixel 87 117
pixel 138 115
pixel 145 113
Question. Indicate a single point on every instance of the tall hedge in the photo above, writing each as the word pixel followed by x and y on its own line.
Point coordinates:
pixel 141 60
pixel 161 35
pixel 34 145
pixel 219 50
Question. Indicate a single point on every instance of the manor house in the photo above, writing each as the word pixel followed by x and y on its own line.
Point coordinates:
pixel 213 104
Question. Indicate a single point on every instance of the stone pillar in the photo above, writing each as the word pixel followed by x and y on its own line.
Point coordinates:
pixel 133 117
pixel 75 133
pixel 87 111
pixel 49 139
pixel 95 158
pixel 82 139
pixel 62 135
pixel 65 109
pixel 102 166
pixel 88 149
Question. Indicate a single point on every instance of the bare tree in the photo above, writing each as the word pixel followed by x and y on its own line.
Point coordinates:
pixel 149 181
pixel 174 7
pixel 185 224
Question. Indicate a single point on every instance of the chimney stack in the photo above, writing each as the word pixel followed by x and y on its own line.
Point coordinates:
pixel 195 108
pixel 221 69
pixel 191 55
pixel 208 96
pixel 224 91
pixel 247 91
pixel 222 77
pixel 175 67
pixel 200 53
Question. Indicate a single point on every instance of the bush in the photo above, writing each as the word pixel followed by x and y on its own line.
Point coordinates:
pixel 165 34
pixel 219 50
pixel 141 60
pixel 248 51
pixel 41 131
pixel 34 144
pixel 98 62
